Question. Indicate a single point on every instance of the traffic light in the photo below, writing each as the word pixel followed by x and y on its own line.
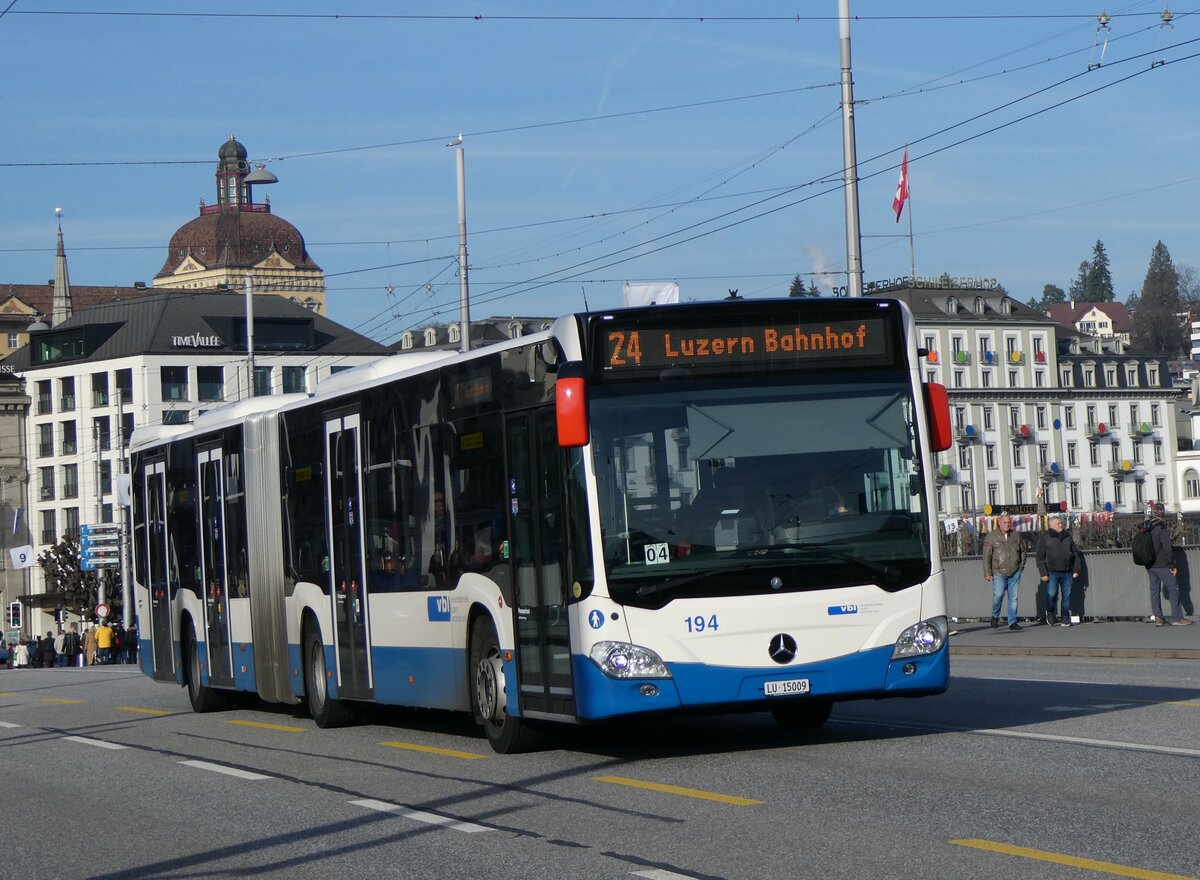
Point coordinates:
pixel 14 615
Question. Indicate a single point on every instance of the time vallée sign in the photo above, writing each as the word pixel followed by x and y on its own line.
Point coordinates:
pixel 197 340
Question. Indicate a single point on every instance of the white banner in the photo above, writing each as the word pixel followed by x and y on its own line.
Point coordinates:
pixel 22 557
pixel 651 293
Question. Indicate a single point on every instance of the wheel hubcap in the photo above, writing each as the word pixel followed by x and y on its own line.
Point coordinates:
pixel 489 690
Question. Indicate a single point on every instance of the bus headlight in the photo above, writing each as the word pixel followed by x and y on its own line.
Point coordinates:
pixel 926 637
pixel 623 660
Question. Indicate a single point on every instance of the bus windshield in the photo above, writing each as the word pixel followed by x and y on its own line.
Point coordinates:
pixel 719 487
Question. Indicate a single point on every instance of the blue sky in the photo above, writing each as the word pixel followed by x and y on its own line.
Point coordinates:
pixel 698 142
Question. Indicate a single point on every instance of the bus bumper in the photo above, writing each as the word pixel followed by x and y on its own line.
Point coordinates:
pixel 863 675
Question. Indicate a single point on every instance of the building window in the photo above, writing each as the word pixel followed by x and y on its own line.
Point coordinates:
pixel 45 440
pixel 1139 490
pixel 1093 453
pixel 1014 377
pixel 430 336
pixel 1039 378
pixel 106 478
pixel 956 347
pixel 70 481
pixel 1039 347
pixel 49 527
pixel 70 441
pixel 71 524
pixel 67 386
pixel 1151 375
pixel 1160 489
pixel 1110 377
pixel 99 389
pixel 126 428
pixel 45 398
pixel 931 377
pixel 1118 492
pixel 958 378
pixel 262 381
pixel 1066 377
pixel 454 334
pixel 45 484
pixel 985 348
pixel 929 344
pixel 1137 453
pixel 979 305
pixel 1131 377
pixel 1014 417
pixel 1069 415
pixel 964 457
pixel 986 378
pixel 1072 454
pixel 14 340
pixel 1089 377
pixel 1018 458
pixel 989 452
pixel 293 380
pixel 1074 490
pixel 1091 415
pixel 101 433
pixel 406 340
pixel 1154 414
pixel 1158 452
pixel 960 417
pixel 125 386
pixel 1019 492
pixel 1134 421
pixel 174 383
pixel 1097 495
pixel 988 419
pixel 1043 454
pixel 210 383
pixel 1114 412
pixel 951 305
pixel 1040 413
pixel 992 490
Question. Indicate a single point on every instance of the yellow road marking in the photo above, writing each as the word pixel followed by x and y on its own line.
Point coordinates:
pixel 284 727
pixel 1155 702
pixel 1071 861
pixel 59 700
pixel 143 711
pixel 7 695
pixel 675 789
pixel 449 753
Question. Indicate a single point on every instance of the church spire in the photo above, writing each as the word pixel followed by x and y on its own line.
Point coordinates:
pixel 61 304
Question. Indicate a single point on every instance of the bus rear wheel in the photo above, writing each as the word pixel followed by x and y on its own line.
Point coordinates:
pixel 325 711
pixel 202 697
pixel 507 733
pixel 807 714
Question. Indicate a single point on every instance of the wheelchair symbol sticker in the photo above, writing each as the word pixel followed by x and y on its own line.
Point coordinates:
pixel 596 620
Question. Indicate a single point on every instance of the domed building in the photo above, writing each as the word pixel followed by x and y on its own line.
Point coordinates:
pixel 236 237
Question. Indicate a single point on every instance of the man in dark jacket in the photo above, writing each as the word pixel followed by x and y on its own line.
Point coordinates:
pixel 1162 570
pixel 1003 561
pixel 1059 562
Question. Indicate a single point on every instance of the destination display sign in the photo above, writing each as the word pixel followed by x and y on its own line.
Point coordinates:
pixel 740 346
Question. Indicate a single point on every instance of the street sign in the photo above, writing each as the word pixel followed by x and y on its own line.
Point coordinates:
pixel 102 610
pixel 100 545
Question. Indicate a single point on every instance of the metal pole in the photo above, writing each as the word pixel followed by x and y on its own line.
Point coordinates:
pixel 850 159
pixel 126 537
pixel 464 307
pixel 249 336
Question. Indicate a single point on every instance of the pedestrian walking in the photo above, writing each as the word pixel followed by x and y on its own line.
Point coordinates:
pixel 1162 570
pixel 1059 562
pixel 20 654
pixel 89 646
pixel 72 646
pixel 131 644
pixel 60 659
pixel 104 643
pixel 1004 556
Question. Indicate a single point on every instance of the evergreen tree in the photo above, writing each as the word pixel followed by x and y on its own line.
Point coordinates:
pixel 1052 294
pixel 1098 285
pixel 797 288
pixel 1078 288
pixel 66 579
pixel 1157 325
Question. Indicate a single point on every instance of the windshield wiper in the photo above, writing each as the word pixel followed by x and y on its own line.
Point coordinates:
pixel 670 585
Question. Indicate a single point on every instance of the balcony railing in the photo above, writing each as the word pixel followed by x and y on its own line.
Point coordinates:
pixel 1140 430
pixel 99 398
pixel 961 358
pixel 965 434
pixel 1098 430
pixel 47 537
pixel 45 405
pixel 67 403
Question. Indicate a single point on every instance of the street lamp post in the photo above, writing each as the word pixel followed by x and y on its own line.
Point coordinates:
pixel 464 307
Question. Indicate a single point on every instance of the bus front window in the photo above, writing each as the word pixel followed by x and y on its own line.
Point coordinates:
pixel 705 487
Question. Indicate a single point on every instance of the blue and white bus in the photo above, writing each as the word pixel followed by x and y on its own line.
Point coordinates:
pixel 707 506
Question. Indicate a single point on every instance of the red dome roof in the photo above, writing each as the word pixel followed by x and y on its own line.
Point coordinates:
pixel 235 240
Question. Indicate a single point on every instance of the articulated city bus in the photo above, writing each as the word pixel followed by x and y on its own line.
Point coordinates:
pixel 707 506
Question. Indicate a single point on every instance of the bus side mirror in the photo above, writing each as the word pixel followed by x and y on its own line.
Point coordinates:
pixel 570 404
pixel 937 414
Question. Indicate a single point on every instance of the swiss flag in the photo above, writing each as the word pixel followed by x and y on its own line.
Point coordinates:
pixel 901 188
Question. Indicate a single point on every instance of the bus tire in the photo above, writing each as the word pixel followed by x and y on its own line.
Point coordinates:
pixel 506 733
pixel 805 714
pixel 202 697
pixel 325 711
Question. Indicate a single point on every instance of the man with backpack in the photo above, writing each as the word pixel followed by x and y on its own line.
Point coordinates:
pixel 1160 567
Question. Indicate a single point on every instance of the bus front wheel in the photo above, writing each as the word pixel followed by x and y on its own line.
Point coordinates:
pixel 506 733
pixel 805 714
pixel 325 711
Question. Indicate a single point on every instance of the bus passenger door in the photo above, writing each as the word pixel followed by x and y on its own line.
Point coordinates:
pixel 213 567
pixel 538 557
pixel 348 584
pixel 157 571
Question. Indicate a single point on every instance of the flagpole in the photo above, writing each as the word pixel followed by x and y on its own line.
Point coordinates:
pixel 912 254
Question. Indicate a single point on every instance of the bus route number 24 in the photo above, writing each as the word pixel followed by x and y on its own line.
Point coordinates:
pixel 699 623
pixel 624 347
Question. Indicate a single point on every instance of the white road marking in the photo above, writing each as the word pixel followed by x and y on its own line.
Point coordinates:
pixel 221 768
pixel 417 816
pixel 8 724
pixel 659 874
pixel 1045 737
pixel 94 742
